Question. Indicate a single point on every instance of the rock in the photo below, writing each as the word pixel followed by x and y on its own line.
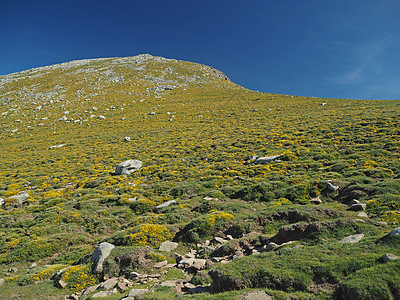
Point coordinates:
pixel 189 285
pixel 219 240
pixel 389 257
pixel 1 281
pixel 101 117
pixel 395 232
pixel 103 294
pixel 237 254
pixel 161 264
pixel 358 207
pixel 56 146
pixel 198 264
pixel 256 295
pixel 355 238
pixel 90 289
pixel 62 283
pixel 266 159
pixel 271 246
pixel 137 292
pixel 165 204
pixel 354 201
pixel 134 274
pixel 63 118
pixel 1 201
pixel 100 254
pixel 316 200
pixel 20 198
pixel 127 139
pixel 332 187
pixel 109 284
pixel 128 167
pixel 123 286
pixel 362 215
pixel 170 283
pixel 168 246
pixel 186 263
pixel 13 270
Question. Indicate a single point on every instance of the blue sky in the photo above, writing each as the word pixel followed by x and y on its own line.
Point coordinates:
pixel 334 49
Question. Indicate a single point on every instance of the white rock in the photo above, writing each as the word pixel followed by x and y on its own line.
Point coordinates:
pixel 100 254
pixel 351 239
pixel 128 167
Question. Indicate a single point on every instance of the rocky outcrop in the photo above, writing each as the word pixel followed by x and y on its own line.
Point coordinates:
pixel 100 254
pixel 128 167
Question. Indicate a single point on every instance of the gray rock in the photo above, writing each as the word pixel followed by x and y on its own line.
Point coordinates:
pixel 358 207
pixel 63 118
pixel 90 289
pixel 168 246
pixel 128 167
pixel 186 263
pixel 395 232
pixel 103 294
pixel 62 283
pixel 257 295
pixel 189 285
pixel 266 159
pixel 20 198
pixel 134 274
pixel 199 264
pixel 1 281
pixel 56 146
pixel 100 254
pixel 101 117
pixel 362 214
pixel 1 201
pixel 219 240
pixel 355 238
pixel 109 284
pixel 127 139
pixel 332 187
pixel 165 204
pixel 137 292
pixel 389 257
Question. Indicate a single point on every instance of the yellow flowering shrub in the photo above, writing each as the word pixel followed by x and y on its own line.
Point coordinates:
pixel 150 234
pixel 78 277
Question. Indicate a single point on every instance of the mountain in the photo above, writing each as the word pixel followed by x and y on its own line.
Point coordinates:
pixel 165 177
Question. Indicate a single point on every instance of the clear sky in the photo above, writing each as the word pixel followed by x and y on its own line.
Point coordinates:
pixel 334 49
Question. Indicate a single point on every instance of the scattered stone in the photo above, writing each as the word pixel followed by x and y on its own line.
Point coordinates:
pixel 101 117
pixel 316 200
pixel 332 187
pixel 266 159
pixel 34 265
pixel 103 294
pixel 355 238
pixel 189 285
pixel 127 139
pixel 237 254
pixel 271 246
pixel 100 254
pixel 1 201
pixel 20 198
pixel 168 246
pixel 362 215
pixel 354 201
pixel 63 118
pixel 134 274
pixel 56 146
pixel 1 281
pixel 152 113
pixel 137 292
pixel 395 232
pixel 90 289
pixel 165 204
pixel 62 283
pixel 185 263
pixel 13 270
pixel 229 237
pixel 170 283
pixel 256 295
pixel 199 264
pixel 109 284
pixel 161 264
pixel 128 167
pixel 358 207
pixel 219 240
pixel 389 257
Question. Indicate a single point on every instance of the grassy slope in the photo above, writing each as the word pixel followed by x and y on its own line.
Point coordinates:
pixel 203 151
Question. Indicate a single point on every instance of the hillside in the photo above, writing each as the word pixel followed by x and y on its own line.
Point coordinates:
pixel 232 194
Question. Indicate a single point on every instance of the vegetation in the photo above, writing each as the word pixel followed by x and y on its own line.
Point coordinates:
pixel 197 135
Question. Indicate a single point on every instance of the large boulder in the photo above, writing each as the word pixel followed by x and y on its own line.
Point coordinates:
pixel 20 198
pixel 100 254
pixel 128 167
